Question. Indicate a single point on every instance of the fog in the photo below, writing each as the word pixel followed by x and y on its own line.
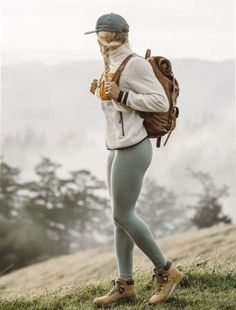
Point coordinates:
pixel 47 64
pixel 48 110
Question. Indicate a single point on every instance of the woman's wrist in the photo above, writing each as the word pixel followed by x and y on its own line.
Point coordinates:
pixel 122 97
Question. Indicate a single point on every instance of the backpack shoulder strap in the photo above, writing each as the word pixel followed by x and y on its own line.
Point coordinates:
pixel 117 74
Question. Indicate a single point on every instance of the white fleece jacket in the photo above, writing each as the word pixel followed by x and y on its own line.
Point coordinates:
pixel 124 126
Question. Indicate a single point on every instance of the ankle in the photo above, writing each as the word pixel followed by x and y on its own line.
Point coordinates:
pixel 129 280
pixel 168 265
pixel 165 268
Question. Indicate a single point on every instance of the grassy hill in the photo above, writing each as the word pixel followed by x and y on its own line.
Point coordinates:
pixel 207 258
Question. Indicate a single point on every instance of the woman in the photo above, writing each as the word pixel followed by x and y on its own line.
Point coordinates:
pixel 129 156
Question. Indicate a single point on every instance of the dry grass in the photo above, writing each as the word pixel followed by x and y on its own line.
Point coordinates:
pixel 204 287
pixel 210 245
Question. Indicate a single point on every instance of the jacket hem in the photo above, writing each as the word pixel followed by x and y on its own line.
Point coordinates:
pixel 126 147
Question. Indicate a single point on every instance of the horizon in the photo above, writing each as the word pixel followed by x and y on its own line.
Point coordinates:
pixel 68 61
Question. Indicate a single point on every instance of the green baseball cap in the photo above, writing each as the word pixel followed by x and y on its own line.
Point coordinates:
pixel 110 22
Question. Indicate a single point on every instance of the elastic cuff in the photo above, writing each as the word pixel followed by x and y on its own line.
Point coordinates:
pixel 165 267
pixel 168 265
pixel 122 97
pixel 130 281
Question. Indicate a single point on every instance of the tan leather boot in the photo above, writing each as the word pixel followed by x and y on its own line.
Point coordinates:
pixel 123 290
pixel 166 282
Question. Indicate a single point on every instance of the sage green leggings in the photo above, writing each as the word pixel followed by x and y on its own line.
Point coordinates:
pixel 125 171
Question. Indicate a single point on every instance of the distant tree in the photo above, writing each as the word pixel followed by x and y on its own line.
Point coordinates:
pixel 86 210
pixel 18 245
pixel 42 198
pixel 21 244
pixel 208 208
pixel 50 215
pixel 159 209
pixel 9 188
pixel 70 211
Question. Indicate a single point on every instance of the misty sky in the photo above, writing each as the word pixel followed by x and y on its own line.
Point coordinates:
pixel 52 30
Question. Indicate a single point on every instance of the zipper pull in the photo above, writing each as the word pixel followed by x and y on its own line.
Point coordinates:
pixel 120 118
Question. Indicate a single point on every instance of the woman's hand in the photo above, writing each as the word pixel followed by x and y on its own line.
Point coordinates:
pixel 112 89
pixel 93 86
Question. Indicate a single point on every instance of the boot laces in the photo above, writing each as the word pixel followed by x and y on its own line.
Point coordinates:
pixel 117 288
pixel 162 279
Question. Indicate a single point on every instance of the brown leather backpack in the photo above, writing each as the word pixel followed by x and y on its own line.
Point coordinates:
pixel 158 124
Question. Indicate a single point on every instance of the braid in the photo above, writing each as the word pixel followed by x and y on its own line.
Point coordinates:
pixel 106 59
pixel 109 41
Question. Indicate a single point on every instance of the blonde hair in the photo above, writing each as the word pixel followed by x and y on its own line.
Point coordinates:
pixel 110 41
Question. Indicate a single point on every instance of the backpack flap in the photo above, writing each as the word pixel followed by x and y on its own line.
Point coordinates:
pixel 159 124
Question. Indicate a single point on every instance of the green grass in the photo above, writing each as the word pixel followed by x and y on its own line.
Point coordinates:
pixel 203 287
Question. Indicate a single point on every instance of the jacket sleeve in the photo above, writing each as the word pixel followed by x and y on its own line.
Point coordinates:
pixel 146 92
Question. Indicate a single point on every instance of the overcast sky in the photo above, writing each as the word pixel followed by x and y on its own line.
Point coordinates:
pixel 52 30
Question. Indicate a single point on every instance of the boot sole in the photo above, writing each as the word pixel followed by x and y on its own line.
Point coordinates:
pixel 129 300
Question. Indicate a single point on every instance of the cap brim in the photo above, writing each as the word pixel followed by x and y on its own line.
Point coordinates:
pixel 88 32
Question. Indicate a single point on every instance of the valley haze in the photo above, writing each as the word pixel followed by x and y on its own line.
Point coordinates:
pixel 47 110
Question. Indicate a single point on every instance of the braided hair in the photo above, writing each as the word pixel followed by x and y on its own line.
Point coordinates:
pixel 110 41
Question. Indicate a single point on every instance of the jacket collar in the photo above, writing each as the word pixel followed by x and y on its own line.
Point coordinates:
pixel 118 54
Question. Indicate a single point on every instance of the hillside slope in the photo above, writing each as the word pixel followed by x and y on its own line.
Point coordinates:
pixel 202 288
pixel 216 244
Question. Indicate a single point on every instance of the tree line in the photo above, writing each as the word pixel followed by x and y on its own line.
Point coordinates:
pixel 51 216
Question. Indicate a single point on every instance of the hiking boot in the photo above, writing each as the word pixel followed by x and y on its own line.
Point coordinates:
pixel 123 290
pixel 166 281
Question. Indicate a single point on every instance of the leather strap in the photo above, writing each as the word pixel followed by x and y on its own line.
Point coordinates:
pixel 173 99
pixel 173 104
pixel 148 53
pixel 121 68
pixel 158 142
pixel 167 137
